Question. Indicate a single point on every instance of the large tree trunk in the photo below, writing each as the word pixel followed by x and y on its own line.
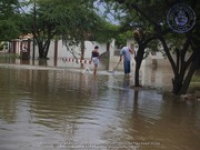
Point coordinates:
pixel 138 60
pixel 43 49
pixel 193 67
pixel 137 81
pixel 82 49
pixel 41 54
pixel 183 69
pixel 177 84
pixel 46 48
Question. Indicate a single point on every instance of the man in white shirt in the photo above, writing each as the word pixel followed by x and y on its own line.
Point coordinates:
pixel 126 52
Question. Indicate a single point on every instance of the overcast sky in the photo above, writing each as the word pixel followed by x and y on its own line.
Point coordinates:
pixel 109 16
pixel 100 6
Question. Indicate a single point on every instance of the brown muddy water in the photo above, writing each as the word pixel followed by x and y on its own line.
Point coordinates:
pixel 61 109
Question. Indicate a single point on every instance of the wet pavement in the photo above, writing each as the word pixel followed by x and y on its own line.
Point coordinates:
pixel 59 108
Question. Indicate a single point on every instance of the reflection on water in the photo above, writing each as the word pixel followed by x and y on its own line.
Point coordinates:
pixel 58 109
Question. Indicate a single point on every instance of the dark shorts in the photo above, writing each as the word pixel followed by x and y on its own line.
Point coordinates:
pixel 127 67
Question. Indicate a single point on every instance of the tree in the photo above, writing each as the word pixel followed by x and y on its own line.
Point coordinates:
pixel 72 21
pixel 9 19
pixel 90 26
pixel 132 17
pixel 182 67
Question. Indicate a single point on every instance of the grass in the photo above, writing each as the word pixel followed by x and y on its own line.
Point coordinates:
pixel 8 56
pixel 196 79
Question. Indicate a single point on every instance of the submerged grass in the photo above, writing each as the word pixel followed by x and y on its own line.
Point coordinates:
pixel 9 56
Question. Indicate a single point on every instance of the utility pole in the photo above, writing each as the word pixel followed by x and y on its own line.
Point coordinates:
pixel 34 28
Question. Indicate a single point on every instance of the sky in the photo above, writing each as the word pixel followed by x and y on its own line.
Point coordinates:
pixel 109 16
pixel 100 6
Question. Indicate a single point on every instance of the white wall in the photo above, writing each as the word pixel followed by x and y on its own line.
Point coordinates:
pixel 63 52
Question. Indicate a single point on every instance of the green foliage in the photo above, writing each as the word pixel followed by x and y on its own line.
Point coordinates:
pixel 8 30
pixel 151 15
pixel 9 15
pixel 121 38
pixel 3 45
pixel 105 32
pixel 196 31
pixel 75 20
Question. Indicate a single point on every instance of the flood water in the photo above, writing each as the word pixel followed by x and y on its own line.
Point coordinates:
pixel 59 109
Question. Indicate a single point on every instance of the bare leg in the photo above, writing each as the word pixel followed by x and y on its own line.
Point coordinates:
pixel 95 70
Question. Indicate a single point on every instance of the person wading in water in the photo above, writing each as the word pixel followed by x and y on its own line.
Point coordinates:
pixel 95 59
pixel 125 53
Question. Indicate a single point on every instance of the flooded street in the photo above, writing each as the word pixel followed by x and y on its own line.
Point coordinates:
pixel 59 109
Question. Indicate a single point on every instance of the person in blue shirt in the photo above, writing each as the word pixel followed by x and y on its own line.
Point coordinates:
pixel 95 59
pixel 125 53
